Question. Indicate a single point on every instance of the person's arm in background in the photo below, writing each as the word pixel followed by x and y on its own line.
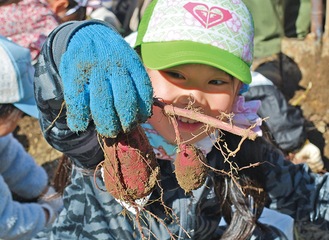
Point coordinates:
pixel 295 190
pixel 19 220
pixel 19 169
pixel 21 175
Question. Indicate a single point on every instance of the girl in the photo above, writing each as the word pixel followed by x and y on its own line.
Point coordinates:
pixel 197 55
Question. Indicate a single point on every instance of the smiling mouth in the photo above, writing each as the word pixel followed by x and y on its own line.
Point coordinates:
pixel 186 120
pixel 188 125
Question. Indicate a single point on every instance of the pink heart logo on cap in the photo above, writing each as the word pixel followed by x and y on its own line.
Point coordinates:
pixel 208 16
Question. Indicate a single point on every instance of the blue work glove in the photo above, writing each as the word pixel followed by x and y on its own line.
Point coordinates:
pixel 105 81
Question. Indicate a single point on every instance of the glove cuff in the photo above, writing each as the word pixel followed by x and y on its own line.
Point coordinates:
pixel 51 214
pixel 60 37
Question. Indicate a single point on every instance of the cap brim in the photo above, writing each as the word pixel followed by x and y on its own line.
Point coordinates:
pixel 28 106
pixel 162 55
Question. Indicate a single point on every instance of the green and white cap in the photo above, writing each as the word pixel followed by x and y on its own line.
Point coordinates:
pixel 218 33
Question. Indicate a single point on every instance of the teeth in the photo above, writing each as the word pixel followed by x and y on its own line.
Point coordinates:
pixel 186 120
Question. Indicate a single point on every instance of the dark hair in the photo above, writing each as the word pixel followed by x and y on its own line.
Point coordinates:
pixel 75 12
pixel 6 109
pixel 241 193
pixel 62 174
pixel 7 2
pixel 2 2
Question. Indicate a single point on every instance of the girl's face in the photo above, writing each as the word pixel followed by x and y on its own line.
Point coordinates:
pixel 202 87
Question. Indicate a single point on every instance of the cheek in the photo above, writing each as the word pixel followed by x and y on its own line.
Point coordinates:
pixel 160 87
pixel 224 101
pixel 162 125
pixel 220 103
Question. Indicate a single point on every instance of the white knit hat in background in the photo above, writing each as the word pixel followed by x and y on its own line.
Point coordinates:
pixel 16 77
pixel 213 32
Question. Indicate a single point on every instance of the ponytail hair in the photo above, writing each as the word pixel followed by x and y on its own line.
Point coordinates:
pixel 241 191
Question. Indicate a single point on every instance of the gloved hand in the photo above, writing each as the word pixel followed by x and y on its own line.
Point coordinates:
pixel 52 202
pixel 311 155
pixel 104 81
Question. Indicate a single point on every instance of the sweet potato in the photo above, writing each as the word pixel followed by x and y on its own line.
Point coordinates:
pixel 190 168
pixel 130 166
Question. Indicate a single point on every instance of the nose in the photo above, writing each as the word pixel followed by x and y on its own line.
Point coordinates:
pixel 191 98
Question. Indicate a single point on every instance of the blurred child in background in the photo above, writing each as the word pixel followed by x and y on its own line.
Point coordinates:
pixel 19 173
pixel 28 22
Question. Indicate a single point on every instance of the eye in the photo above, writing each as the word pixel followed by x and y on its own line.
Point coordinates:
pixel 217 82
pixel 174 75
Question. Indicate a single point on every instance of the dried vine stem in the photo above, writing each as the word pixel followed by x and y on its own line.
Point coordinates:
pixel 211 121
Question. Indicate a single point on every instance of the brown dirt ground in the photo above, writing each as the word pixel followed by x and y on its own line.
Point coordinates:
pixel 29 134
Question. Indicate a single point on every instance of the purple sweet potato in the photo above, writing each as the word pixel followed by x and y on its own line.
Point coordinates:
pixel 190 168
pixel 130 166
